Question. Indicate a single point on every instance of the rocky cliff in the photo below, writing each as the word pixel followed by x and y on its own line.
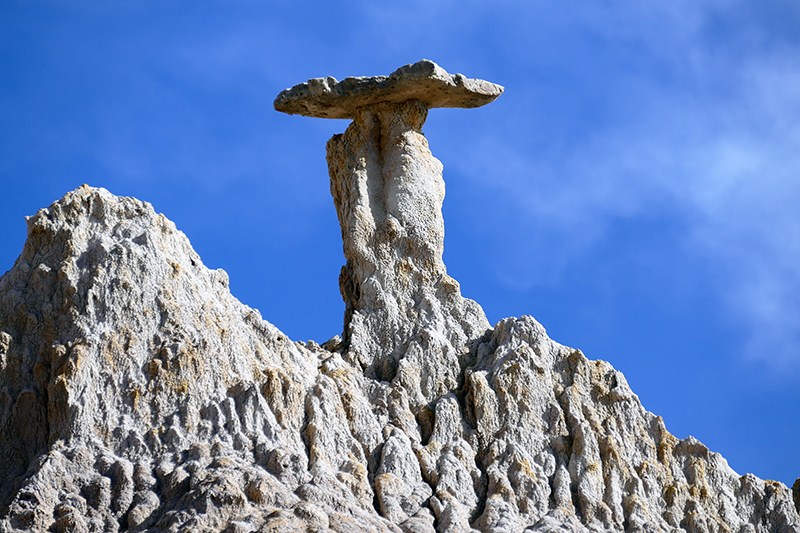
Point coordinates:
pixel 137 394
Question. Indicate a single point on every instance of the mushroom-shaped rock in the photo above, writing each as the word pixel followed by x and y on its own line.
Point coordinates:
pixel 424 81
pixel 405 319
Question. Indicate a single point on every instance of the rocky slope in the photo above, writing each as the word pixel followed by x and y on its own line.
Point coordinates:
pixel 137 394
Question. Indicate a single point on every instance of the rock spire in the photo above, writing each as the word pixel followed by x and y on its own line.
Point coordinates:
pixel 388 191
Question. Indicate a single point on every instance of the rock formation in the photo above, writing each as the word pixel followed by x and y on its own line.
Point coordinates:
pixel 137 394
pixel 405 316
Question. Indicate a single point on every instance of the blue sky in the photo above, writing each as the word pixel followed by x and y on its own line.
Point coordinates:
pixel 635 189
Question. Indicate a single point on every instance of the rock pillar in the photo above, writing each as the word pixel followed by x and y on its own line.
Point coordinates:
pixel 405 318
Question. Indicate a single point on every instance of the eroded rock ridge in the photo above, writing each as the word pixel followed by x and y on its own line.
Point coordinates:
pixel 137 394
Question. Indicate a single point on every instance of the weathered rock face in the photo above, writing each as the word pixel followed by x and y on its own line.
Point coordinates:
pixel 402 307
pixel 127 367
pixel 136 394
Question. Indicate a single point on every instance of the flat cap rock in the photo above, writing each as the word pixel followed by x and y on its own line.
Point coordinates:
pixel 424 80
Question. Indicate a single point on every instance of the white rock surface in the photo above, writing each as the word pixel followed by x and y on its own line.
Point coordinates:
pixel 137 394
pixel 406 319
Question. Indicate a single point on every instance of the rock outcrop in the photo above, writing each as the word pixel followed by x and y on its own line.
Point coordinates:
pixel 137 394
pixel 424 81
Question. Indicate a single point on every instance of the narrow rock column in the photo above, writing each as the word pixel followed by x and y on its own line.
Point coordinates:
pixel 405 317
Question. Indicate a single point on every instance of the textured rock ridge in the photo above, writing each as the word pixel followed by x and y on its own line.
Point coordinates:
pixel 401 304
pixel 124 358
pixel 137 394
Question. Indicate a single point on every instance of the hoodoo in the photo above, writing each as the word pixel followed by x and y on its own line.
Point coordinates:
pixel 402 307
pixel 137 394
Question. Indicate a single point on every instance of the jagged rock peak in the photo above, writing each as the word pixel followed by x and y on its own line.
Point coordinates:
pixel 136 394
pixel 126 365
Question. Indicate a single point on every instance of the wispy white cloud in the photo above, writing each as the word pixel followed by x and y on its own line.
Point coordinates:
pixel 718 152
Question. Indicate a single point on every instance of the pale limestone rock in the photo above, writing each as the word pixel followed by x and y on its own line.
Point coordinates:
pixel 136 394
pixel 399 485
pixel 281 435
pixel 136 384
pixel 402 307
